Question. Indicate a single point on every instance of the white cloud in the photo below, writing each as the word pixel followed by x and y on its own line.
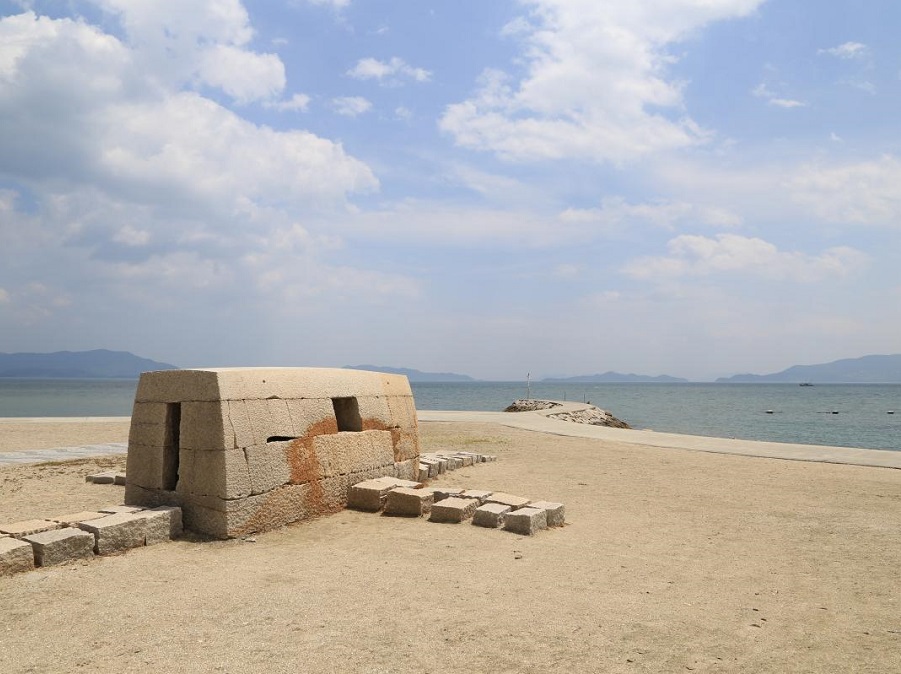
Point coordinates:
pixel 336 4
pixel 297 103
pixel 616 212
pixel 351 106
pixel 691 255
pixel 762 91
pixel 4 296
pixel 846 51
pixel 388 72
pixel 203 43
pixel 595 84
pixel 403 113
pixel 867 193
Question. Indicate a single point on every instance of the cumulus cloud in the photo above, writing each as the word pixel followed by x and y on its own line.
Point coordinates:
pixel 865 193
pixel 392 71
pixel 297 103
pixel 351 106
pixel 691 255
pixel 595 85
pixel 846 51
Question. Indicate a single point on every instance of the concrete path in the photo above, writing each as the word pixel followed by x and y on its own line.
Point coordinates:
pixel 62 453
pixel 539 422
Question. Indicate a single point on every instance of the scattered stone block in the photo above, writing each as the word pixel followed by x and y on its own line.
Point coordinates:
pixel 423 472
pixel 556 513
pixel 467 460
pixel 433 466
pixel 75 518
pixel 26 527
pixel 107 477
pixel 490 515
pixel 60 545
pixel 120 509
pixel 409 502
pixel 370 495
pixel 526 521
pixel 479 494
pixel 453 510
pixel 507 499
pixel 119 478
pixel 15 556
pixel 116 533
pixel 442 493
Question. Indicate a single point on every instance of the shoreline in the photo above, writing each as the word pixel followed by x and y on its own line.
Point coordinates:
pixel 15 437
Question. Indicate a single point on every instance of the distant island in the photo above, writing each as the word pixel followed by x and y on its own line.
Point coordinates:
pixel 97 364
pixel 413 375
pixel 615 378
pixel 864 370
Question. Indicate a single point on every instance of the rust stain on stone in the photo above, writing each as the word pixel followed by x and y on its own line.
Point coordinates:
pixel 372 424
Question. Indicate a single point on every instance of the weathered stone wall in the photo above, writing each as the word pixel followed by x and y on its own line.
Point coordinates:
pixel 242 450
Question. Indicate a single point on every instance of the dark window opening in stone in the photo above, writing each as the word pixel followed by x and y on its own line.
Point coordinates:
pixel 171 446
pixel 280 438
pixel 347 414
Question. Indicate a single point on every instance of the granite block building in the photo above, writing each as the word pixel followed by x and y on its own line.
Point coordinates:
pixel 243 450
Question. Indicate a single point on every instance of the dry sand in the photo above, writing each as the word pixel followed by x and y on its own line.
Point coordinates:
pixel 672 561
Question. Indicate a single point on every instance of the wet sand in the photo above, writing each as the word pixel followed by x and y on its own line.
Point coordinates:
pixel 672 561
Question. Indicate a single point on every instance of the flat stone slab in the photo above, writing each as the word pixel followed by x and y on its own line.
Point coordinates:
pixel 442 493
pixel 107 477
pixel 74 518
pixel 479 494
pixel 490 515
pixel 526 521
pixel 26 527
pixel 507 499
pixel 61 545
pixel 15 556
pixel 409 502
pixel 118 532
pixel 556 512
pixel 453 510
pixel 120 509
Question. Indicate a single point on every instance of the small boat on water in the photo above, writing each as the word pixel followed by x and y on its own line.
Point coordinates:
pixel 805 383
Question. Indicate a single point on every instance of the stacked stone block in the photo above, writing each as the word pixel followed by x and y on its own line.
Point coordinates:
pixel 30 543
pixel 433 464
pixel 243 450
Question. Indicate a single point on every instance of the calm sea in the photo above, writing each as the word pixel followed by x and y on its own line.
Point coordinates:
pixel 803 414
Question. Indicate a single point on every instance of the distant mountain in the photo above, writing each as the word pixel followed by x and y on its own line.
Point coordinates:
pixel 865 370
pixel 413 375
pixel 98 364
pixel 616 378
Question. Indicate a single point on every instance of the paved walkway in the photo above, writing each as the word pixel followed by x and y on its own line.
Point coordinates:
pixel 538 421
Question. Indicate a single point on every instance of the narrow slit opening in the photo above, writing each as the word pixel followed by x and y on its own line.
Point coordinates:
pixel 280 438
pixel 171 446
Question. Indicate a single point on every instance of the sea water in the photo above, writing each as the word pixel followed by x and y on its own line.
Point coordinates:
pixel 847 415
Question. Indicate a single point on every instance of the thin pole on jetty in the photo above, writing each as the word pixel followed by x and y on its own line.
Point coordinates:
pixel 528 385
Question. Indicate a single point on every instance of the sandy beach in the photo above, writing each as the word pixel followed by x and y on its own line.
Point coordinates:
pixel 672 561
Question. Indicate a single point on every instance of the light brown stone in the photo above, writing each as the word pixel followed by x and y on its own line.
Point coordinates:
pixel 26 527
pixel 490 515
pixel 60 545
pixel 526 521
pixel 453 510
pixel 556 512
pixel 408 502
pixel 507 499
pixel 75 518
pixel 115 533
pixel 15 556
pixel 479 494
pixel 268 466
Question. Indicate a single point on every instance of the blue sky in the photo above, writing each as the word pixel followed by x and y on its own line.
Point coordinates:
pixel 560 187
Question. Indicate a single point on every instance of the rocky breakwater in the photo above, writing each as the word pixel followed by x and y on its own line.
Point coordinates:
pixel 585 414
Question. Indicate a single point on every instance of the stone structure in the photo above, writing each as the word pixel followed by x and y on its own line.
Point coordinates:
pixel 243 450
